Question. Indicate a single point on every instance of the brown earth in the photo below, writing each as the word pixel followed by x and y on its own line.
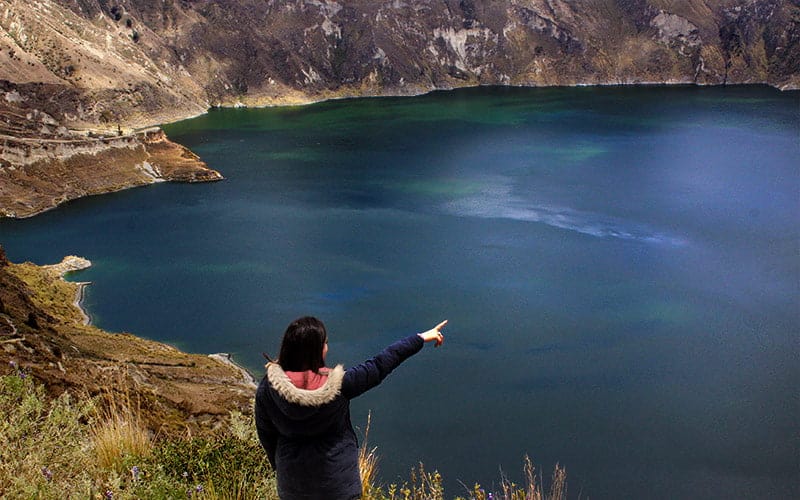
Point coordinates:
pixel 109 67
pixel 43 332
pixel 43 173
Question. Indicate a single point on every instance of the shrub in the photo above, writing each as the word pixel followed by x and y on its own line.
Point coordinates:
pixel 231 465
pixel 42 442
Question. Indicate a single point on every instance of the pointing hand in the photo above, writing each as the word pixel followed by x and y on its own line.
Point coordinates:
pixel 434 334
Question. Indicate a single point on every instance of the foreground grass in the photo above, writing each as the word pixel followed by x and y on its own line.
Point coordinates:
pixel 97 448
pixel 86 448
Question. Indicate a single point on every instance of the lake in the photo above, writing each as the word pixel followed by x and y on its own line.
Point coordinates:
pixel 620 268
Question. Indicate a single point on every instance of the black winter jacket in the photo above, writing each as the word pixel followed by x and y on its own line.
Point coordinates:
pixel 307 434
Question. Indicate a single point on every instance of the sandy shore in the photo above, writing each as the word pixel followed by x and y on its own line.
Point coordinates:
pixel 79 295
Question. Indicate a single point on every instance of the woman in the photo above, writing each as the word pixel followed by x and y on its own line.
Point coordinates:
pixel 303 410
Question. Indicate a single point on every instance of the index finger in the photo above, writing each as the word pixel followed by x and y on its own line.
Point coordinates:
pixel 440 325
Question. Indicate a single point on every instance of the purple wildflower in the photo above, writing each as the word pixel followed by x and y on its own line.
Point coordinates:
pixel 490 497
pixel 109 495
pixel 47 473
pixel 135 472
pixel 22 375
pixel 12 364
pixel 198 488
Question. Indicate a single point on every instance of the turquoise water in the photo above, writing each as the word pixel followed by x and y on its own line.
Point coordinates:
pixel 619 267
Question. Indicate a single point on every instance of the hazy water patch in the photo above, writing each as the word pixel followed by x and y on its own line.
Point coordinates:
pixel 498 201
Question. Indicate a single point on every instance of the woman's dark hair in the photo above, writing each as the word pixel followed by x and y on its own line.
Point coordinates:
pixel 302 345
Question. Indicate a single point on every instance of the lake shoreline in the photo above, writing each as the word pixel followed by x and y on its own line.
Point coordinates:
pixel 180 164
pixel 309 102
pixel 73 263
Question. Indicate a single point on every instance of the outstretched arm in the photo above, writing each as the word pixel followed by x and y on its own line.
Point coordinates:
pixel 361 378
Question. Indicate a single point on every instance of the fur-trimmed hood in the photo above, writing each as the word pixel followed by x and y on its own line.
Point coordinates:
pixel 283 385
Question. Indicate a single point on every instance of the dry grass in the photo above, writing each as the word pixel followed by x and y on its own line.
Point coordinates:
pixel 118 433
pixel 367 463
pixel 533 489
pixel 425 485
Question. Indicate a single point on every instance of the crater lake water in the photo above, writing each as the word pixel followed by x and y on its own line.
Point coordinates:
pixel 619 267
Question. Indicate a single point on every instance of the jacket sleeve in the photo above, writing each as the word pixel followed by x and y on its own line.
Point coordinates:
pixel 267 433
pixel 361 378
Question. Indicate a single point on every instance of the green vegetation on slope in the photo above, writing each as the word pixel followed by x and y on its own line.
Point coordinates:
pixel 95 447
pixel 86 448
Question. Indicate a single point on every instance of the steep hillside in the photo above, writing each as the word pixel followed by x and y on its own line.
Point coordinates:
pixel 111 67
pixel 43 333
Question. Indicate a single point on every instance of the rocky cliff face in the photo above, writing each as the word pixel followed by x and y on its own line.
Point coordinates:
pixel 111 66
pixel 38 174
pixel 43 333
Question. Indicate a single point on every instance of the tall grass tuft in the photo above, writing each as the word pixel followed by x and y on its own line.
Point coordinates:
pixel 368 463
pixel 530 490
pixel 118 435
pixel 558 488
pixel 426 485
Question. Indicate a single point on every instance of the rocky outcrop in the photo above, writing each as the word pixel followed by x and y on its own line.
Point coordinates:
pixel 38 174
pixel 43 334
pixel 45 160
pixel 111 66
